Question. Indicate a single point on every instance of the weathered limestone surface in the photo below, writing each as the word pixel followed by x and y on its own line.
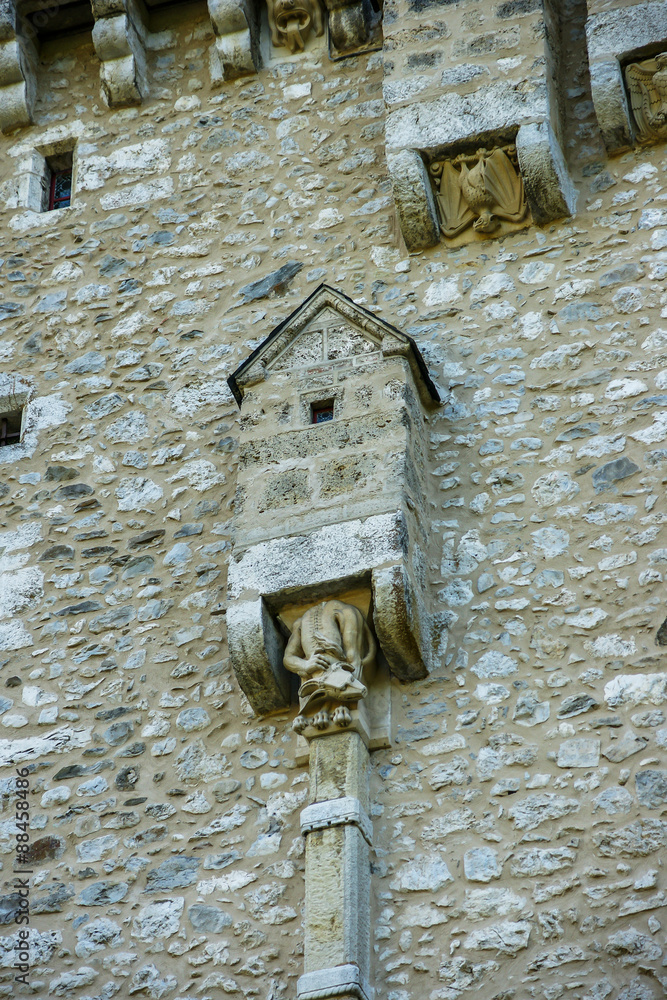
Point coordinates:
pixel 165 815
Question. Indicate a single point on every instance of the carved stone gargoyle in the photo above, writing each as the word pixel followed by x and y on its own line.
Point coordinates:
pixel 479 191
pixel 329 649
pixel 291 22
pixel 647 85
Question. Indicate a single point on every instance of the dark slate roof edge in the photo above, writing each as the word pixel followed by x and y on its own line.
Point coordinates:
pixel 416 353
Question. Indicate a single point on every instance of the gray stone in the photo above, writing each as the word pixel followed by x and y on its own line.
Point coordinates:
pixel 529 711
pixel 651 788
pixel 173 873
pixel 628 745
pixel 116 618
pixel 127 778
pixel 481 864
pixel 618 275
pixel 543 861
pixel 158 920
pixel 208 918
pixel 611 472
pixel 537 809
pixel 636 840
pixel 57 552
pixel 579 752
pixel 424 873
pixel 494 664
pixel 254 758
pixel 118 733
pixel 576 704
pixel 91 361
pixel 223 789
pixel 193 719
pixel 96 936
pixel 103 893
pixel 276 281
pixel 613 800
pixel 506 938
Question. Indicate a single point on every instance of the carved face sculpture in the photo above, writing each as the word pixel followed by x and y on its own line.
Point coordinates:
pixel 292 21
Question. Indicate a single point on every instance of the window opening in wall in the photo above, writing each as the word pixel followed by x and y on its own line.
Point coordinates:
pixel 58 181
pixel 10 427
pixel 321 412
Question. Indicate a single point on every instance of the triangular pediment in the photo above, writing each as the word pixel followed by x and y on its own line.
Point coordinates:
pixel 328 327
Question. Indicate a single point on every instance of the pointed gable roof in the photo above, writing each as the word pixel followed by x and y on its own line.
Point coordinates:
pixel 382 335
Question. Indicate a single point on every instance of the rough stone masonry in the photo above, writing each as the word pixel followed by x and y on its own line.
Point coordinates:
pixel 519 815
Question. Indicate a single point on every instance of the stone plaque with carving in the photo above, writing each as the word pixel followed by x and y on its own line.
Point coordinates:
pixel 481 190
pixel 647 86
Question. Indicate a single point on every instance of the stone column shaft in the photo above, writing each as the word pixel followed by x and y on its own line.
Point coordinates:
pixel 338 834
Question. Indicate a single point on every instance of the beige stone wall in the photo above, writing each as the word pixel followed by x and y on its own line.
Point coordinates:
pixel 518 817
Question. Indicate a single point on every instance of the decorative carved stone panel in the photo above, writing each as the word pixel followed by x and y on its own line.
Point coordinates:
pixel 483 192
pixel 647 86
pixel 330 504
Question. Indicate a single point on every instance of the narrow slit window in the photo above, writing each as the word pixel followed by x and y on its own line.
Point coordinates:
pixel 320 413
pixel 58 182
pixel 60 195
pixel 10 427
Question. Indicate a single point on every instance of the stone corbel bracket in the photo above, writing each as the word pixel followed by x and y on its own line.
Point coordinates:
pixel 548 188
pixel 236 50
pixel 323 562
pixel 18 58
pixel 353 26
pixel 612 37
pixel 119 45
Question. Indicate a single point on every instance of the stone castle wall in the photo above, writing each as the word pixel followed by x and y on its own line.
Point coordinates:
pixel 519 828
